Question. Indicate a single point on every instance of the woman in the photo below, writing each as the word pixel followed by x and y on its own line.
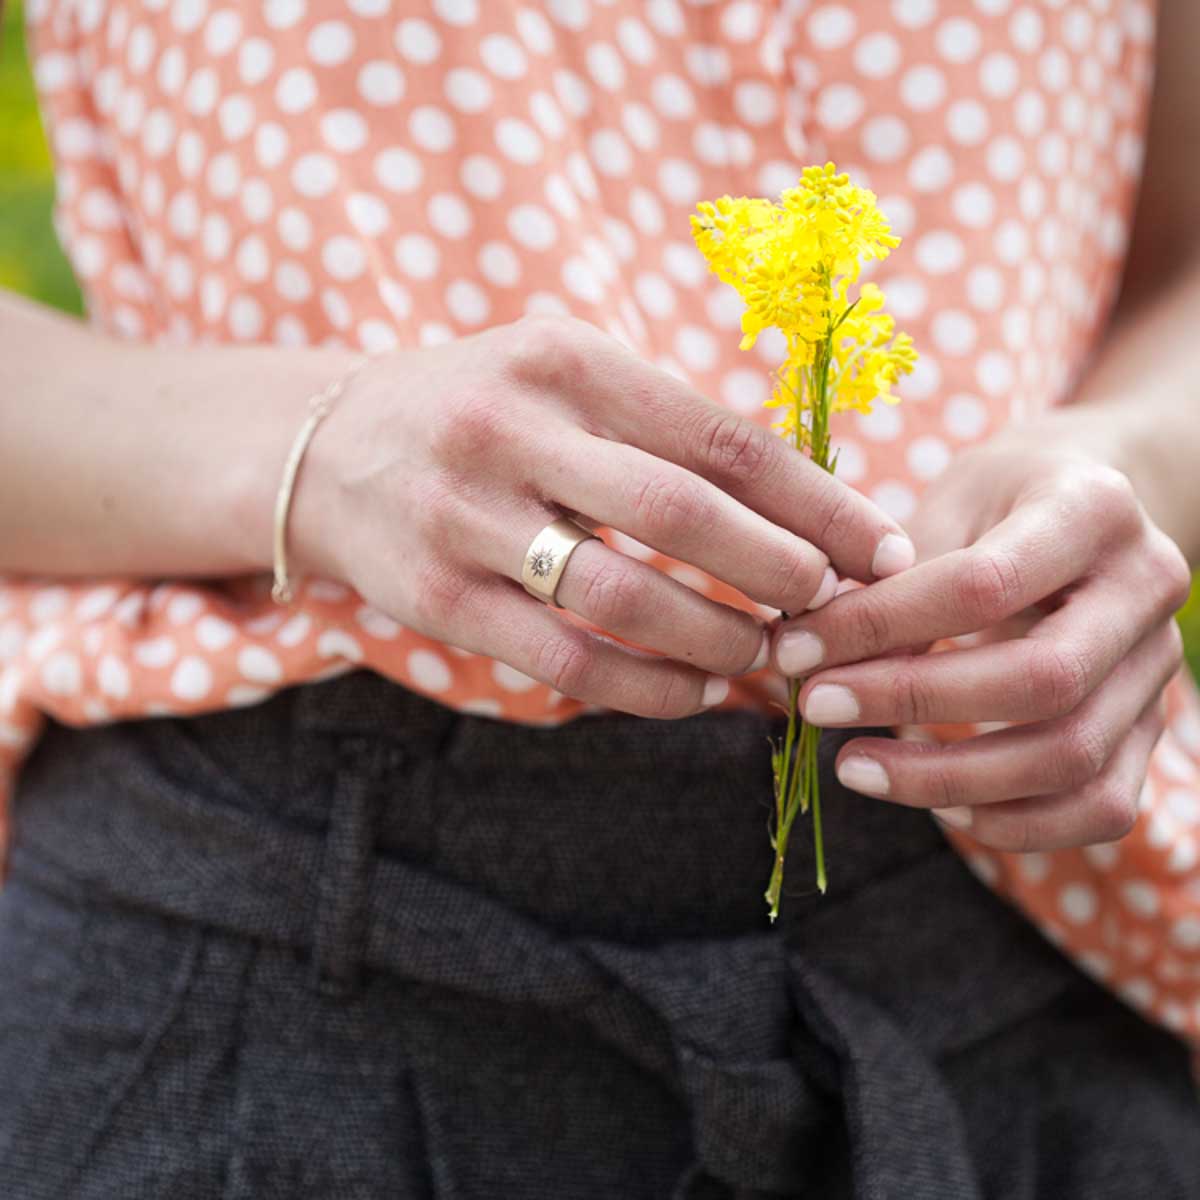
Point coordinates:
pixel 407 929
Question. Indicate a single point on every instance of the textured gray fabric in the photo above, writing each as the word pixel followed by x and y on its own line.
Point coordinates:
pixel 350 944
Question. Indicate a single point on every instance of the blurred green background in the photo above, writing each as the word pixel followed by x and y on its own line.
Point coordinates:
pixel 30 258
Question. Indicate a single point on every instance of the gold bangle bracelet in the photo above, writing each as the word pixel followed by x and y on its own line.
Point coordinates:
pixel 319 405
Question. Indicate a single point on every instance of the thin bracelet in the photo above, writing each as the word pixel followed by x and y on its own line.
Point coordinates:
pixel 318 408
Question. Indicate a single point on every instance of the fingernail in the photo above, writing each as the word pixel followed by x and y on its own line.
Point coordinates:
pixel 829 582
pixel 798 651
pixel 716 688
pixel 863 775
pixel 959 818
pixel 830 704
pixel 895 553
pixel 764 653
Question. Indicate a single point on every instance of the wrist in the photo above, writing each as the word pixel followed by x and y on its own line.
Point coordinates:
pixel 275 415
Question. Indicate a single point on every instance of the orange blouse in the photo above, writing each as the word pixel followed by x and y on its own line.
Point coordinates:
pixel 382 174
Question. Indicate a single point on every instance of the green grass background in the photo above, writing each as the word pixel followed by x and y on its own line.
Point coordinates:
pixel 31 260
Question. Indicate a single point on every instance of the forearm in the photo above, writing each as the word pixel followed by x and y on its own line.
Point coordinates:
pixel 142 461
pixel 1138 408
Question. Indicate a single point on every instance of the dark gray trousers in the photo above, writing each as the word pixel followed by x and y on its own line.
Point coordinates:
pixel 349 944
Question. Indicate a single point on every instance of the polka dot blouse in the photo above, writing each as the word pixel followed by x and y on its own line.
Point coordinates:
pixel 388 173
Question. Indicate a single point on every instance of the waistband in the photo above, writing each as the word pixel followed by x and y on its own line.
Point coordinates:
pixel 369 829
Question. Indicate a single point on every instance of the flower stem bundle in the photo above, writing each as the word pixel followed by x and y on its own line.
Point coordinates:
pixel 795 262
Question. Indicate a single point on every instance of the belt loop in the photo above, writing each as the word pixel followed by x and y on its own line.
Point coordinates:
pixel 339 939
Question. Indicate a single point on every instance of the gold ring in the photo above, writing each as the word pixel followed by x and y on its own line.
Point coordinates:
pixel 547 556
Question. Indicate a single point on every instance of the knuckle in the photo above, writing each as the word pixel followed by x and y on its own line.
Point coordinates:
pixel 794 578
pixel 838 522
pixel 669 504
pixel 911 699
pixel 444 594
pixel 737 450
pixel 869 632
pixel 1083 749
pixel 676 697
pixel 471 429
pixel 1112 812
pixel 613 595
pixel 1107 493
pixel 988 588
pixel 1172 568
pixel 565 663
pixel 1058 679
pixel 545 350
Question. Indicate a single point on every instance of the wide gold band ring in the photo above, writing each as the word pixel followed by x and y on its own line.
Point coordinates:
pixel 547 556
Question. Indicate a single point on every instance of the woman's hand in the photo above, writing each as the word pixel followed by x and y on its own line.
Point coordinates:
pixel 425 487
pixel 1049 555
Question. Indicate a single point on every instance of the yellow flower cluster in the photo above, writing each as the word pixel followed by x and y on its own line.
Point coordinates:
pixel 794 262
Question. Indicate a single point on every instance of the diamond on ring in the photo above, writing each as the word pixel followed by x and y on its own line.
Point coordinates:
pixel 541 562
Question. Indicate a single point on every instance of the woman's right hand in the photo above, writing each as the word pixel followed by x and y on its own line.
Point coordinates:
pixel 426 485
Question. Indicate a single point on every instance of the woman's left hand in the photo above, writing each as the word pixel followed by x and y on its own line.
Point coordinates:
pixel 1048 555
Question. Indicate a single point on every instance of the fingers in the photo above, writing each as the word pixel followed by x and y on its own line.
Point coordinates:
pixel 495 617
pixel 636 602
pixel 1104 810
pixel 630 401
pixel 1026 760
pixel 1017 564
pixel 686 517
pixel 1044 675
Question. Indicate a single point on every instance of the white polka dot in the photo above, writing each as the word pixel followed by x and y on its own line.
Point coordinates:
pixel 457 12
pixel 381 83
pixel 679 181
pixel 499 264
pixel 744 390
pixel 154 652
pixel 965 417
pixel 292 282
pixel 256 60
pixel 481 176
pixel 654 294
pixel 958 40
pixel 344 130
pixel 259 665
pixel 931 169
pixel 1026 29
pixel 708 65
pixel 755 102
pixel 518 141
pixel 270 144
pixel 955 332
pixel 535 31
pixel 418 41
pixel 432 128
pixel 295 229
pixel 885 138
pixel 913 14
pixel 923 88
pixel 112 675
pixel 429 671
pixel 967 122
pixel 503 56
pixel 344 257
pixel 398 170
pixel 999 75
pixel 1078 903
pixel 840 105
pixel 330 43
pixel 973 205
pixel 367 213
pixel 296 90
pixel 532 226
pixel 468 302
pixel 1005 159
pixel 417 256
pixel 580 279
pixel 605 66
pixel 1185 933
pixel 314 175
pixel 831 26
pixel 985 288
pixel 62 674
pixel 336 643
pixel 467 90
pixel 696 348
pixel 672 96
pixel 877 55
pixel 1140 897
pixel 895 498
pixel 940 252
pixel 192 679
pixel 995 373
pixel 245 318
